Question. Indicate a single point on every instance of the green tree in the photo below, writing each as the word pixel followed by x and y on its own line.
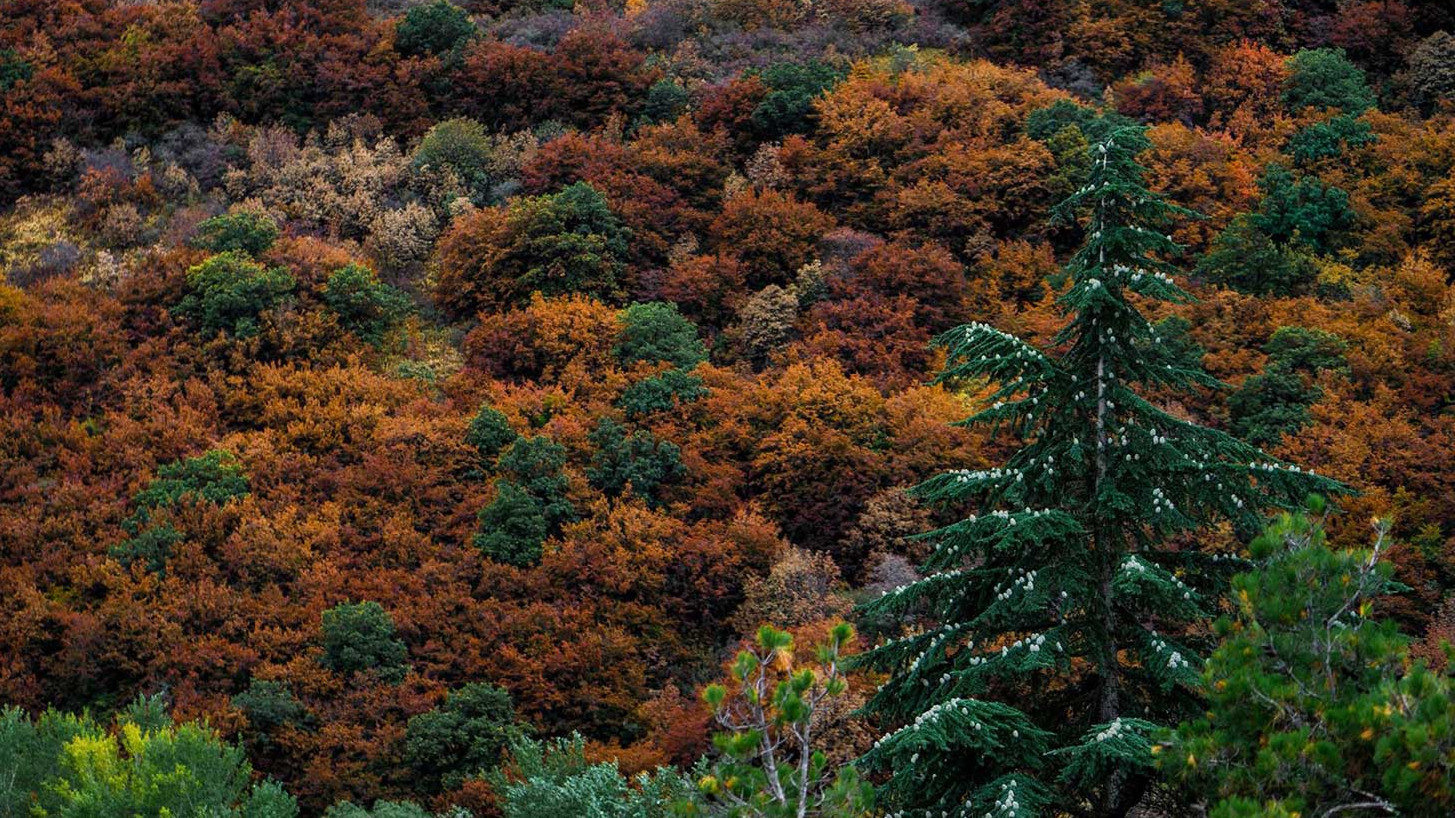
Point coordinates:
pixel 463 737
pixel 1328 139
pixel 365 306
pixel 770 764
pixel 463 147
pixel 536 465
pixel 1324 78
pixel 666 100
pixel 512 527
pixel 1303 210
pixel 559 244
pixel 656 331
pixel 215 477
pixel 1246 259
pixel 270 704
pixel 1276 401
pixel 381 809
pixel 490 432
pixel 570 242
pixel 13 69
pixel 1046 649
pixel 228 292
pixel 244 231
pixel 359 638
pixel 554 780
pixel 1270 251
pixel 65 765
pixel 793 87
pixel 638 460
pixel 432 28
pixel 1314 707
pixel 660 393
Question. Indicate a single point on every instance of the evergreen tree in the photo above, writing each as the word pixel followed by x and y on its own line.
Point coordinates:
pixel 638 460
pixel 1315 707
pixel 243 231
pixel 554 779
pixel 490 432
pixel 1062 593
pixel 462 737
pixel 359 637
pixel 365 306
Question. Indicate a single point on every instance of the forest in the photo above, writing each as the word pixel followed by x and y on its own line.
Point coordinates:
pixel 751 408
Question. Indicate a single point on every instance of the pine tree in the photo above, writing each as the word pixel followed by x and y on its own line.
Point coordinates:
pixel 1046 646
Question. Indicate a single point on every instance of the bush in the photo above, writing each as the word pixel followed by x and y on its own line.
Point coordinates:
pixel 359 638
pixel 243 231
pixel 229 292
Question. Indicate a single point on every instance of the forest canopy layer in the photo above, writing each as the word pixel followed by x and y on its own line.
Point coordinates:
pixel 415 407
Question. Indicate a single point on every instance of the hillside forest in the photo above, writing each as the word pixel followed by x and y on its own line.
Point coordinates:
pixel 754 408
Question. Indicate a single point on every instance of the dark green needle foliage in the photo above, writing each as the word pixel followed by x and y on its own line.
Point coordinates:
pixel 229 292
pixel 1046 640
pixel 660 393
pixel 787 108
pixel 513 527
pixel 1276 401
pixel 214 478
pixel 637 460
pixel 656 331
pixel 1324 78
pixel 269 704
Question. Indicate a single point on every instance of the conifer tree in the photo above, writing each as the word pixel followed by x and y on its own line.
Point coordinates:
pixel 1045 644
